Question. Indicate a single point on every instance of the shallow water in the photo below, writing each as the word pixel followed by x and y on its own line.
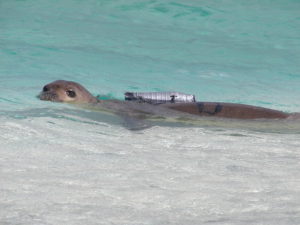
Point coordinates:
pixel 62 164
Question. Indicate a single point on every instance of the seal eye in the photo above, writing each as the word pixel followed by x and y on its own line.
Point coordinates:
pixel 71 93
pixel 45 89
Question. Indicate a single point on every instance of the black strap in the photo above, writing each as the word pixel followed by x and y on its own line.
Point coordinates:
pixel 173 98
pixel 201 108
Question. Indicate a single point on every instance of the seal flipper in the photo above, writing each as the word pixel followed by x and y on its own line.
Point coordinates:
pixel 134 123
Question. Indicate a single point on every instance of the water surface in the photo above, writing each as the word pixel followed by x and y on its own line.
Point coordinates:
pixel 60 164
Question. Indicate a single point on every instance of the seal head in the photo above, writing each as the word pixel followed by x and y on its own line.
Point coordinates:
pixel 66 91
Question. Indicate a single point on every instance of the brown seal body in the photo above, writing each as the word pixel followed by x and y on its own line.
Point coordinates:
pixel 228 110
pixel 72 92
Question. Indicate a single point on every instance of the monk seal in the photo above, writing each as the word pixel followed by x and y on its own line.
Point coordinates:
pixel 66 91
pixel 72 92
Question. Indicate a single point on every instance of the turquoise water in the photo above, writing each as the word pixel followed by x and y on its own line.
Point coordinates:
pixel 246 52
pixel 65 165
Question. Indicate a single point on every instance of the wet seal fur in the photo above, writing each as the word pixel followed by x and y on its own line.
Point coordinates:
pixel 72 92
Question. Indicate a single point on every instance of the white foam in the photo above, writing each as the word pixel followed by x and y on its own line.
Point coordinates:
pixel 56 171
